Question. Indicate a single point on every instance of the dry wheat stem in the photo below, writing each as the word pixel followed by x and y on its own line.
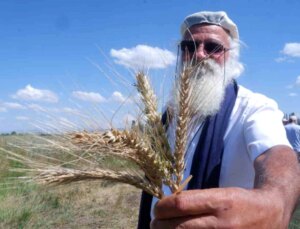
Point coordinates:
pixel 105 144
pixel 183 119
pixel 157 130
pixel 130 146
pixel 148 150
pixel 63 175
pixel 148 97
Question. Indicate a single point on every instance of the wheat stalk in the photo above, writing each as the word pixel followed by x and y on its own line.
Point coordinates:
pixel 60 175
pixel 130 145
pixel 159 139
pixel 149 151
pixel 182 124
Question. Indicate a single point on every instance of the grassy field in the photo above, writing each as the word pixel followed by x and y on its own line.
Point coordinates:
pixel 79 205
pixel 89 204
pixel 94 204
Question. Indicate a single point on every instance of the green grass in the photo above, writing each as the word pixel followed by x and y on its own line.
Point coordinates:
pixel 295 223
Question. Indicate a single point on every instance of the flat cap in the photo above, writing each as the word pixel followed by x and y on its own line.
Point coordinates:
pixel 219 18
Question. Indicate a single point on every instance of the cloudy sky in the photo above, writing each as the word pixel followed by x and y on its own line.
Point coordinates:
pixel 65 62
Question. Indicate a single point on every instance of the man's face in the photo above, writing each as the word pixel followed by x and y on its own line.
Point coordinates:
pixel 209 41
pixel 205 48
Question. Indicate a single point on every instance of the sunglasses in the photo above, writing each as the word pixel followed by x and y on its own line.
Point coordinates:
pixel 210 47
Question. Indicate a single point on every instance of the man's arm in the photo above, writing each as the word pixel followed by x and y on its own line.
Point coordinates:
pixel 277 171
pixel 269 205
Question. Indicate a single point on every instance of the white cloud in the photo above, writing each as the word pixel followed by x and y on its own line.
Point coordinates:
pixel 281 59
pixel 15 106
pixel 74 111
pixel 294 85
pixel 70 110
pixel 36 107
pixel 22 118
pixel 298 81
pixel 88 96
pixel 143 57
pixel 3 109
pixel 291 49
pixel 33 94
pixel 293 94
pixel 119 97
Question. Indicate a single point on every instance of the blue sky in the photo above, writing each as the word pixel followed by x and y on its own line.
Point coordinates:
pixel 60 58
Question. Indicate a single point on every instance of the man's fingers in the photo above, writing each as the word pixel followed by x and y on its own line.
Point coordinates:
pixel 186 222
pixel 193 202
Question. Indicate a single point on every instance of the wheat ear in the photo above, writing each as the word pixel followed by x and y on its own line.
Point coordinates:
pixel 45 173
pixel 159 139
pixel 156 132
pixel 64 175
pixel 129 145
pixel 150 151
pixel 182 124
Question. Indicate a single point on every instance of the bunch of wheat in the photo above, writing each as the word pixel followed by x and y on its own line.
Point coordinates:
pixel 147 150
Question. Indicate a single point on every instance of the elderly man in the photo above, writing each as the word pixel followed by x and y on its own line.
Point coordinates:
pixel 245 174
pixel 293 134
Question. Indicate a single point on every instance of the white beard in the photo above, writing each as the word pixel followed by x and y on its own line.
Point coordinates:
pixel 208 85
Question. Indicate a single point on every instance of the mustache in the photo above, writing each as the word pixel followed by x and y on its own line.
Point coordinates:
pixel 203 68
pixel 207 88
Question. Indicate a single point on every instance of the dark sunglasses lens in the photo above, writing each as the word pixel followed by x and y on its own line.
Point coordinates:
pixel 213 47
pixel 189 46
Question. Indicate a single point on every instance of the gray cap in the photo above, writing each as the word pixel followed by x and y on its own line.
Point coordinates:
pixel 219 18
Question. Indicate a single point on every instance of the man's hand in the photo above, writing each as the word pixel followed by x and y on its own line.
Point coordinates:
pixel 220 208
pixel 268 206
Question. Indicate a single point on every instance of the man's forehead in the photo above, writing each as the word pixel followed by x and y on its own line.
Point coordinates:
pixel 206 30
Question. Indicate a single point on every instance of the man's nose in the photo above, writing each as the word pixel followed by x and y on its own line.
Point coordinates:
pixel 200 52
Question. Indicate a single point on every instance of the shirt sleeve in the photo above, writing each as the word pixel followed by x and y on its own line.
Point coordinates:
pixel 263 126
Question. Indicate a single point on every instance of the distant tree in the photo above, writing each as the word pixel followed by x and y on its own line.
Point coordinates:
pixel 13 133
